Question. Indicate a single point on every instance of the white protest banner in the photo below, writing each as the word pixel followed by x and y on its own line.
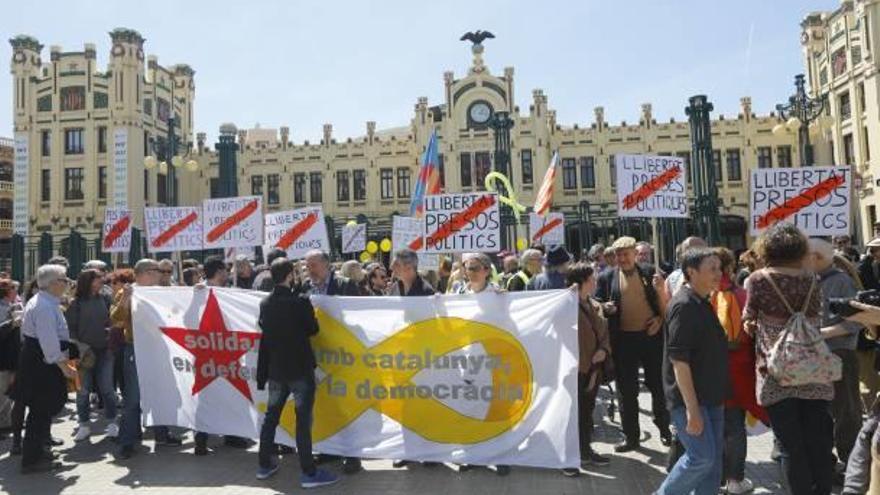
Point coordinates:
pixel 20 171
pixel 651 186
pixel 120 167
pixel 548 230
pixel 176 228
pixel 297 231
pixel 474 379
pixel 456 223
pixel 116 236
pixel 354 238
pixel 233 222
pixel 815 199
pixel 406 233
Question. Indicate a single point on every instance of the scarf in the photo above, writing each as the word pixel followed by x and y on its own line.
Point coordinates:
pixel 729 313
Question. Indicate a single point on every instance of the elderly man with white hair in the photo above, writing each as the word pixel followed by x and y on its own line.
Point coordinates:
pixel 530 265
pixel 841 337
pixel 43 365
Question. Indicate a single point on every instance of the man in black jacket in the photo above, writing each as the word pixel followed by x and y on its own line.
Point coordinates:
pixel 406 273
pixel 632 305
pixel 286 362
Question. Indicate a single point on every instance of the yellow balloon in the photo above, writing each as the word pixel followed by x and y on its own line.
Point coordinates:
pixel 385 245
pixel 372 247
pixel 365 257
pixel 521 244
pixel 350 223
pixel 509 200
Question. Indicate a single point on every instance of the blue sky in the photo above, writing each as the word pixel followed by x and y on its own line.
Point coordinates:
pixel 303 64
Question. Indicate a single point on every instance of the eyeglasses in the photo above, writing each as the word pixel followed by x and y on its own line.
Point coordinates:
pixel 473 268
pixel 166 272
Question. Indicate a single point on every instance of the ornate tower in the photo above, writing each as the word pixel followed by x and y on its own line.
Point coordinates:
pixel 126 134
pixel 25 65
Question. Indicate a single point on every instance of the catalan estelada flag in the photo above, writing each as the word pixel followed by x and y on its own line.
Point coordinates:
pixel 429 177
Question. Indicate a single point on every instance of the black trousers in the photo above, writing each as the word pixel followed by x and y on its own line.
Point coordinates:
pixel 586 405
pixel 630 351
pixel 805 432
pixel 846 408
pixel 36 435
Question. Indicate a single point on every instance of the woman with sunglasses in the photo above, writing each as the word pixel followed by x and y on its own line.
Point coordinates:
pixel 376 280
pixel 477 269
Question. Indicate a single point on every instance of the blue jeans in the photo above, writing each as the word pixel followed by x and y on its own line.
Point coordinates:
pixel 101 374
pixel 303 391
pixel 698 471
pixel 130 422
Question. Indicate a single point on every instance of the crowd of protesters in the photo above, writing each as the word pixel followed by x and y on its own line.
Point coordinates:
pixel 704 335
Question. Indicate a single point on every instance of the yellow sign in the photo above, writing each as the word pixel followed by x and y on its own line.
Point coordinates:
pixel 380 378
pixel 509 200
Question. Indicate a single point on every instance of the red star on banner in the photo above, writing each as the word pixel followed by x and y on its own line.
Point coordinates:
pixel 216 348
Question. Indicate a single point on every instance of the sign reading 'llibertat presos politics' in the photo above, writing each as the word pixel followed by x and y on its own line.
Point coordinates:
pixel 116 232
pixel 233 222
pixel 177 228
pixel 456 223
pixel 297 231
pixel 815 199
pixel 651 186
pixel 478 379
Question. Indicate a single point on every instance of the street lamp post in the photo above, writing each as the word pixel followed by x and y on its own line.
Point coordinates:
pixel 703 170
pixel 501 123
pixel 170 161
pixel 799 113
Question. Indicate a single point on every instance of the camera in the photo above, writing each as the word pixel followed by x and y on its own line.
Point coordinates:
pixel 840 305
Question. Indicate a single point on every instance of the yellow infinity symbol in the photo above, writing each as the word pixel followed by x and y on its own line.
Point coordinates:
pixel 509 200
pixel 392 393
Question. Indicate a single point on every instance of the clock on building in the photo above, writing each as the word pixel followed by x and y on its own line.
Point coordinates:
pixel 480 112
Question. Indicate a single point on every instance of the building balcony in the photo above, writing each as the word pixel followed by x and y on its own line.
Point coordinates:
pixel 6 187
pixel 5 228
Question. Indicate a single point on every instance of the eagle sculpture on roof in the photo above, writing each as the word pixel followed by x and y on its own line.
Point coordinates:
pixel 476 37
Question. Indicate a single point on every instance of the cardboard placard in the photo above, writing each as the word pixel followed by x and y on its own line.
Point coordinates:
pixel 354 238
pixel 233 222
pixel 651 186
pixel 548 230
pixel 404 231
pixel 815 199
pixel 457 223
pixel 116 232
pixel 176 228
pixel 297 231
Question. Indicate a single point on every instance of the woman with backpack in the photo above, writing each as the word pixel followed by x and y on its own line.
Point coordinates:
pixel 795 369
pixel 88 319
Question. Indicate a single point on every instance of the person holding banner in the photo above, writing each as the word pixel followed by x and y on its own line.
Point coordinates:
pixel 146 273
pixel 530 265
pixel 323 281
pixel 694 377
pixel 594 360
pixel 630 299
pixel 405 269
pixel 216 276
pixel 286 363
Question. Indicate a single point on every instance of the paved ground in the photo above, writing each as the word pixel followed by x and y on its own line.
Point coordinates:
pixel 89 469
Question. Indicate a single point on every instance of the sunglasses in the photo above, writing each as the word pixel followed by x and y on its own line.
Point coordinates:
pixel 473 268
pixel 166 272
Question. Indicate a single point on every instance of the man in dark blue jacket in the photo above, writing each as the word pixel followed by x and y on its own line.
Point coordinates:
pixel 286 363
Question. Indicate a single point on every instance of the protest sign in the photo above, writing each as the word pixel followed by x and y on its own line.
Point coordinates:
pixel 116 232
pixel 173 228
pixel 815 199
pixel 471 379
pixel 455 223
pixel 406 233
pixel 548 230
pixel 233 222
pixel 354 238
pixel 297 231
pixel 651 186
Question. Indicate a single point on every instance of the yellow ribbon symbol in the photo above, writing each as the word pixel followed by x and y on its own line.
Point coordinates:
pixel 344 358
pixel 509 200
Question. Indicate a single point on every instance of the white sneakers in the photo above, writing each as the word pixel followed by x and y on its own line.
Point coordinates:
pixel 84 432
pixel 735 487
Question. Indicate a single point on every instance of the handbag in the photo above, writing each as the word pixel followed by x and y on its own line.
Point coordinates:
pixel 800 356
